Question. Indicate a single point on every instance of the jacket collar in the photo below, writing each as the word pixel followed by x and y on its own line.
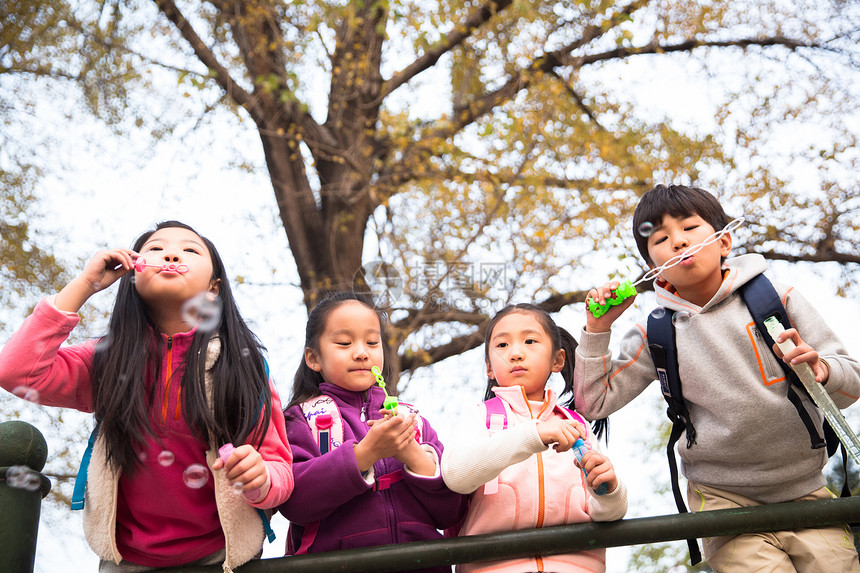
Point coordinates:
pixel 350 398
pixel 515 397
pixel 737 271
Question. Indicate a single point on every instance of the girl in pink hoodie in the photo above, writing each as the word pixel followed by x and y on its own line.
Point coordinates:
pixel 178 377
pixel 515 453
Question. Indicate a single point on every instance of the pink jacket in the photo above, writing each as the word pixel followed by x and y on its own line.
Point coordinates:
pixel 537 486
pixel 151 517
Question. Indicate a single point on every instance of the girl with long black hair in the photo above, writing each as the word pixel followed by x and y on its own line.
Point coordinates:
pixel 178 377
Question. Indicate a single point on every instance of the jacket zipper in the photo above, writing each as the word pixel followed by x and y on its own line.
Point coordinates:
pixel 365 404
pixel 541 489
pixel 167 378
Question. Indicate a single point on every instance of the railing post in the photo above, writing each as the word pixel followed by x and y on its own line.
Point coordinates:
pixel 23 453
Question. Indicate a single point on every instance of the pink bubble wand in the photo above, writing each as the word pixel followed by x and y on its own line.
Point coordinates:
pixel 141 264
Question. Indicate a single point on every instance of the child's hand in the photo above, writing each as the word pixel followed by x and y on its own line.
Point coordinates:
pixel 562 433
pixel 599 470
pixel 599 295
pixel 413 456
pixel 246 466
pixel 104 269
pixel 802 352
pixel 387 438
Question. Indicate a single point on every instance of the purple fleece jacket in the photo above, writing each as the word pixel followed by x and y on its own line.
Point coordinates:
pixel 331 490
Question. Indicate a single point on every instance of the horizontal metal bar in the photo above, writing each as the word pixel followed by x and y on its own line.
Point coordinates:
pixel 560 539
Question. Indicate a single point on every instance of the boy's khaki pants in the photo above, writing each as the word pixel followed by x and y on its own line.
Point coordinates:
pixel 824 550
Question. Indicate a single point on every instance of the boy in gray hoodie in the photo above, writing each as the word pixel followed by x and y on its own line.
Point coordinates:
pixel 751 447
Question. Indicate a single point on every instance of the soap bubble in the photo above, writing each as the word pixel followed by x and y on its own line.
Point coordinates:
pixel 203 310
pixel 28 394
pixel 658 312
pixel 246 352
pixel 166 458
pixel 195 476
pixel 238 488
pixel 681 319
pixel 22 477
pixel 646 228
pixel 142 456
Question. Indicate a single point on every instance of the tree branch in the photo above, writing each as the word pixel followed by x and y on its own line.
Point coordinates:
pixel 457 36
pixel 109 45
pixel 541 64
pixel 461 344
pixel 207 57
pixel 687 46
pixel 817 257
pixel 551 304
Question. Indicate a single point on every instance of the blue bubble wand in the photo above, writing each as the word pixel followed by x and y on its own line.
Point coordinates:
pixel 580 448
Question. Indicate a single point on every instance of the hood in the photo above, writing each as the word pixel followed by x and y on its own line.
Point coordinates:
pixel 737 271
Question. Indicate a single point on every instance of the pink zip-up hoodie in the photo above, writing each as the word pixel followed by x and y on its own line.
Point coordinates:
pixel 536 487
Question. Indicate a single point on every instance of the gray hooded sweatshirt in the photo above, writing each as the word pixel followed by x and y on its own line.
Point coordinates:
pixel 749 437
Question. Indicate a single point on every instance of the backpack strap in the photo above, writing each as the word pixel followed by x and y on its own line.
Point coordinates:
pixel 571 414
pixel 309 534
pixel 79 493
pixel 763 302
pixel 323 416
pixel 664 353
pixel 497 416
pixel 497 420
pixel 419 420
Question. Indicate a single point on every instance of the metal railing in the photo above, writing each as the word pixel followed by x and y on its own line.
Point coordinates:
pixel 21 446
pixel 560 539
pixel 20 510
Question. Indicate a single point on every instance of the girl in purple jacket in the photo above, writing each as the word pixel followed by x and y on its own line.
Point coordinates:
pixel 365 477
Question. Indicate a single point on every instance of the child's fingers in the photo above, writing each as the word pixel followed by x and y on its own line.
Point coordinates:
pixel 600 294
pixel 251 479
pixel 789 334
pixel 590 460
pixel 601 475
pixel 569 434
pixel 241 460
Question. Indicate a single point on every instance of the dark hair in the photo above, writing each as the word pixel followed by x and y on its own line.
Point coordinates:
pixel 677 201
pixel 306 382
pixel 561 340
pixel 241 396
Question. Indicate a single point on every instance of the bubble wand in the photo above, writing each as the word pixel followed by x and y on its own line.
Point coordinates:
pixel 580 448
pixel 627 289
pixel 141 264
pixel 390 403
pixel 817 392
